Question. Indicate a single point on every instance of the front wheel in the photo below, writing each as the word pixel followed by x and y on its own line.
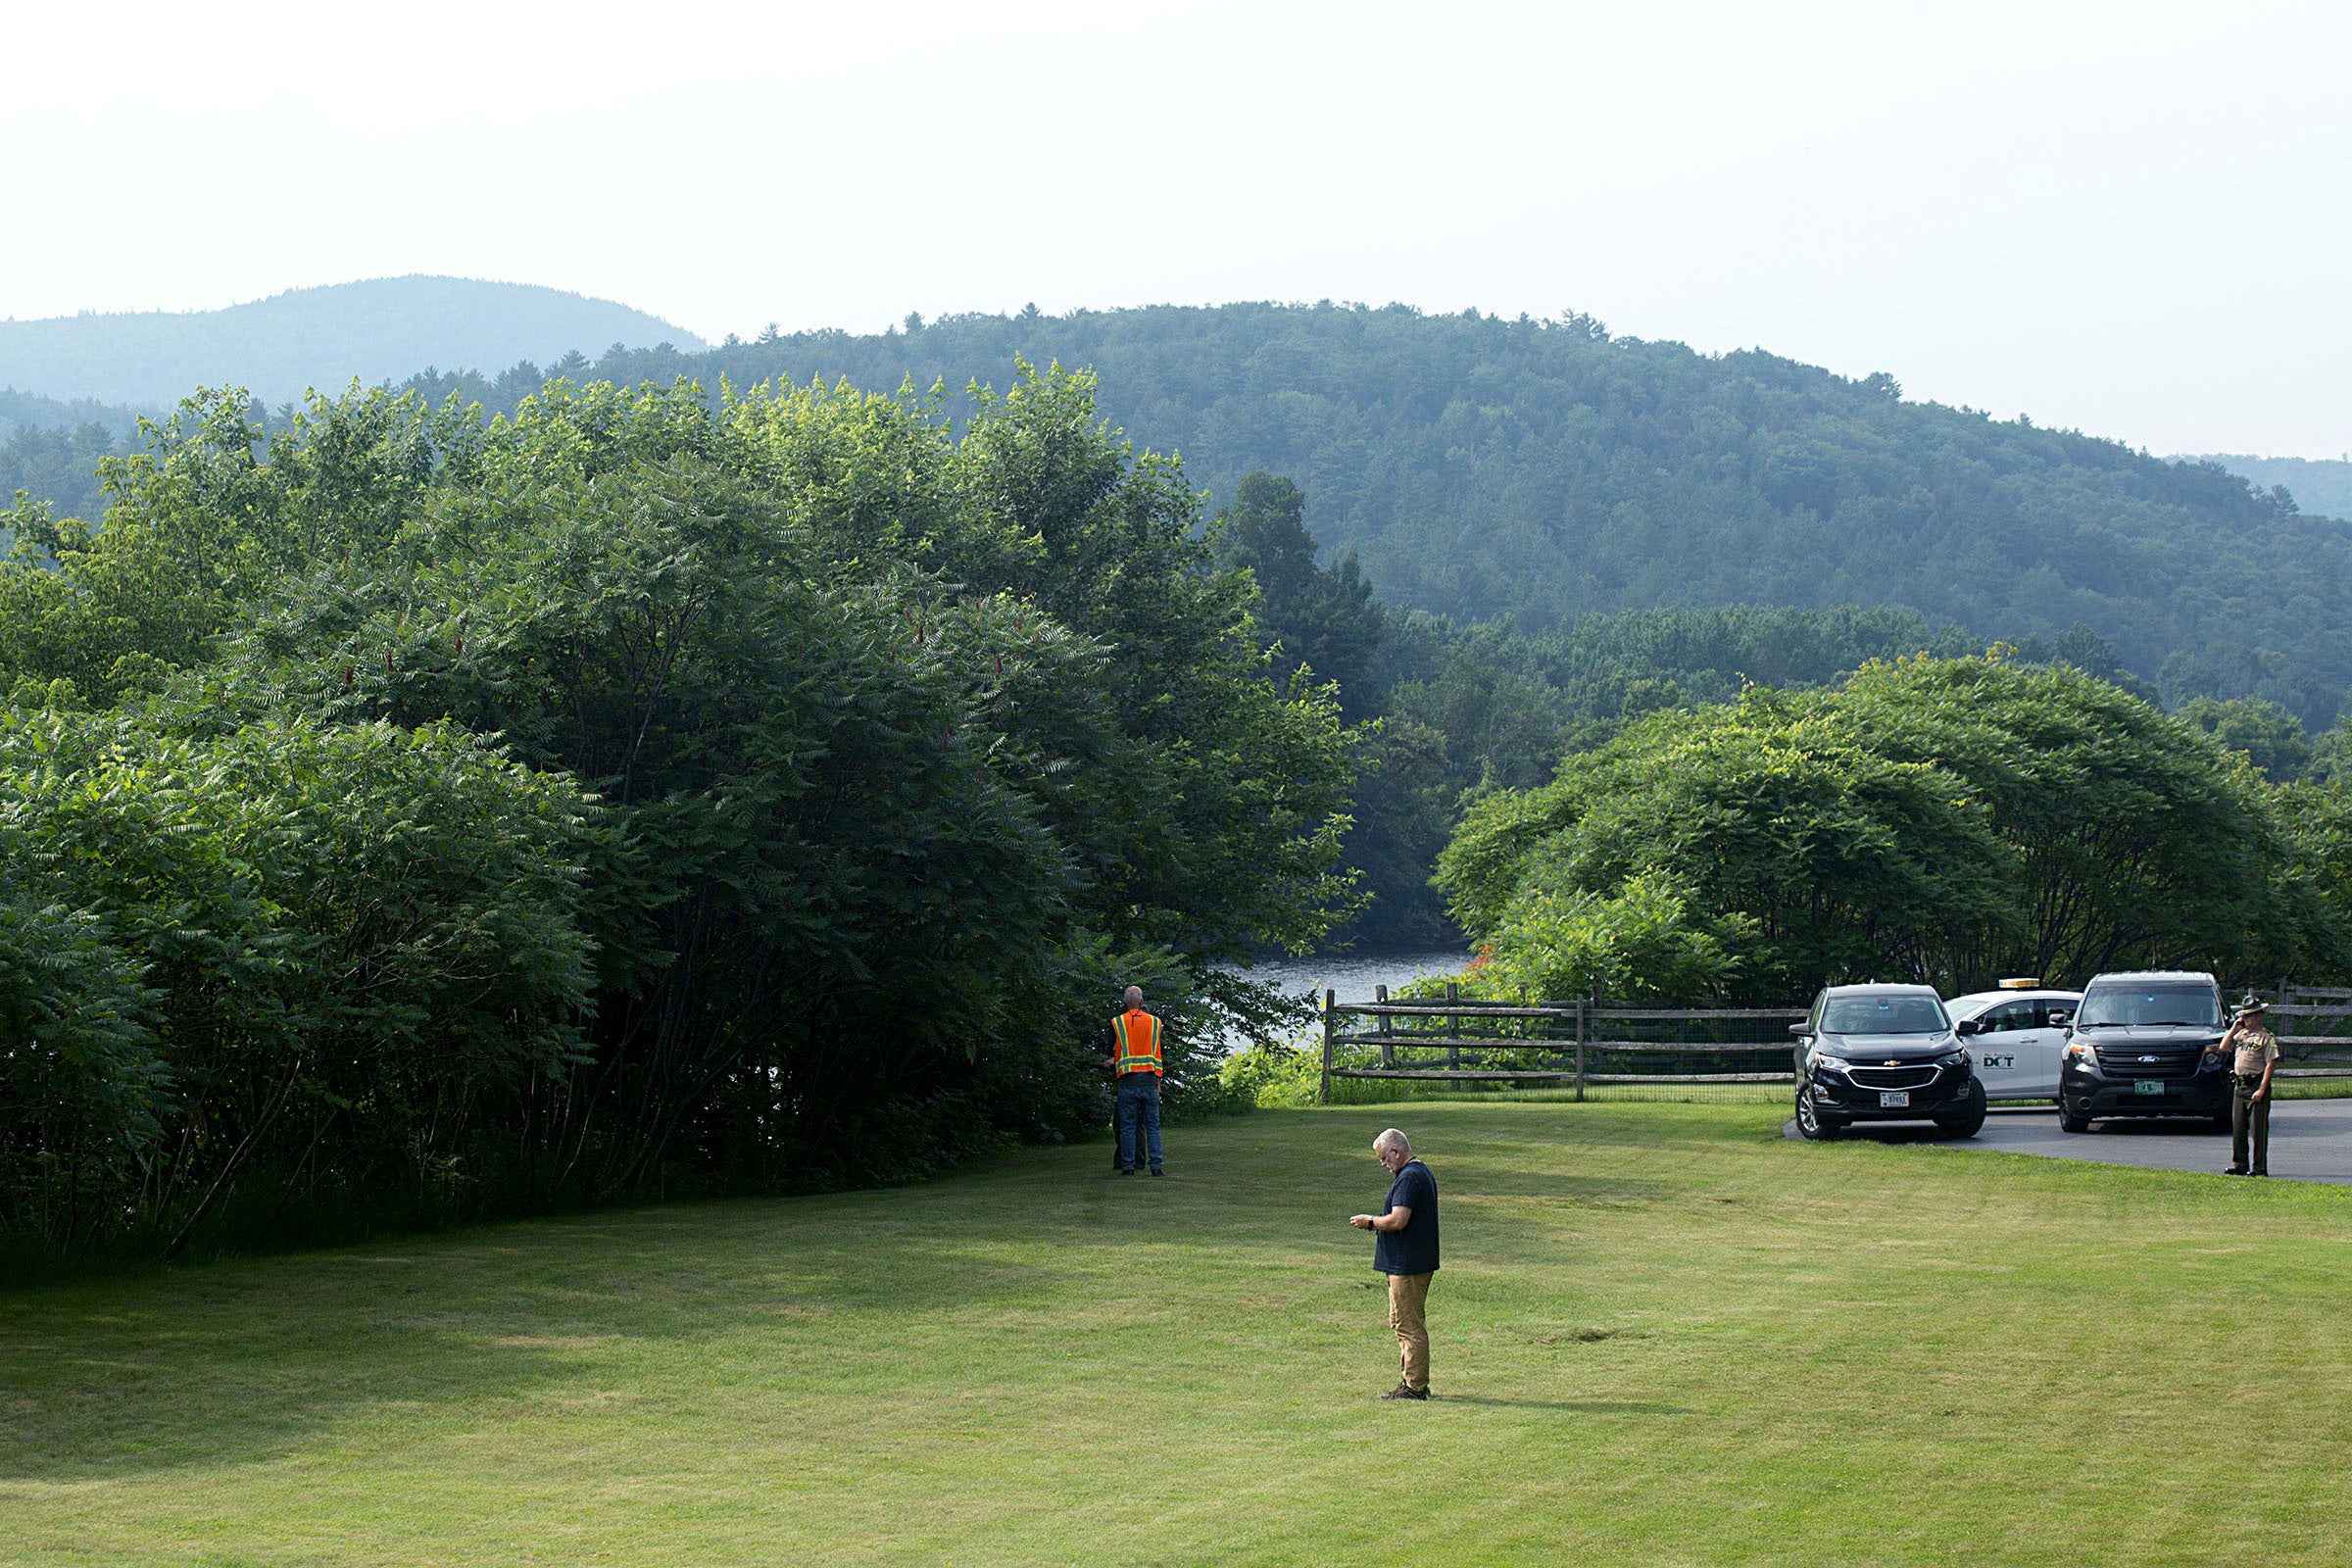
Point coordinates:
pixel 2071 1121
pixel 1965 1123
pixel 1811 1124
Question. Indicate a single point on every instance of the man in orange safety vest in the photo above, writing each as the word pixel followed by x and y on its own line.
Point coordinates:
pixel 1136 1057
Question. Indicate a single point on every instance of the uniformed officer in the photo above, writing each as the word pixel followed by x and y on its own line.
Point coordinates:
pixel 2256 1061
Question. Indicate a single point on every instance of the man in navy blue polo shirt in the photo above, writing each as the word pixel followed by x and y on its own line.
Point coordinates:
pixel 1404 1248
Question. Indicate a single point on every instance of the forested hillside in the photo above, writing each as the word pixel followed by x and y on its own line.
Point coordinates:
pixel 50 449
pixel 382 328
pixel 2318 485
pixel 1466 710
pixel 1479 466
pixel 28 411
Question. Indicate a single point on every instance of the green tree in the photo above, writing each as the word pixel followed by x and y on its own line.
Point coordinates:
pixel 1947 820
pixel 632 795
pixel 363 929
pixel 2137 842
pixel 2272 738
pixel 1322 619
pixel 1643 943
pixel 874 833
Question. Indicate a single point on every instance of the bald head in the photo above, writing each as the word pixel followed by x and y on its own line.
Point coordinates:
pixel 1392 1149
pixel 1135 996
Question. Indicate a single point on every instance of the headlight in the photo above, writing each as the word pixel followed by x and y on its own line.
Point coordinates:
pixel 1953 1058
pixel 2079 1055
pixel 1831 1064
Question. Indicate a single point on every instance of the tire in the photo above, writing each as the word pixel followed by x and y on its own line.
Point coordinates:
pixel 2223 1123
pixel 2071 1121
pixel 1811 1124
pixel 1967 1123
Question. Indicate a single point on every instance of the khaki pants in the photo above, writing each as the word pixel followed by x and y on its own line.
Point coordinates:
pixel 1408 1315
pixel 2250 1126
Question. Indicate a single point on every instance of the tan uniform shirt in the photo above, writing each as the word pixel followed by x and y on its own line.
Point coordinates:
pixel 2256 1047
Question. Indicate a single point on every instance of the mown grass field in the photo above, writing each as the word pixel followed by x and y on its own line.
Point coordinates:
pixel 1663 1336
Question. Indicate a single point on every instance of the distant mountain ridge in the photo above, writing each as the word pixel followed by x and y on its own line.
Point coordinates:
pixel 1480 466
pixel 378 329
pixel 1547 470
pixel 2323 485
pixel 29 411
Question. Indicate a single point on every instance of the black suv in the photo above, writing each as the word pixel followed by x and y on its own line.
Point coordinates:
pixel 2143 1044
pixel 1884 1053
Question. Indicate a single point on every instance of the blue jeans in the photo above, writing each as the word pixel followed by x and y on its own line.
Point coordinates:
pixel 1139 1101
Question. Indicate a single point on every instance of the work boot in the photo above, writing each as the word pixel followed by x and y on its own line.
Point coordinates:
pixel 1405 1392
pixel 2234 1170
pixel 1157 1171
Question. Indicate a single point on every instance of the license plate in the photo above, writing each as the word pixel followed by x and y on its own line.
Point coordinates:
pixel 1893 1097
pixel 2150 1086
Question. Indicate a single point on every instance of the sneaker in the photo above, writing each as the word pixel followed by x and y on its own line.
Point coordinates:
pixel 1126 1173
pixel 1402 1392
pixel 2234 1170
pixel 1157 1171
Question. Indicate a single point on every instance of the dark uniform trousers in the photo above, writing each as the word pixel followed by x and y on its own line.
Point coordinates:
pixel 2250 1121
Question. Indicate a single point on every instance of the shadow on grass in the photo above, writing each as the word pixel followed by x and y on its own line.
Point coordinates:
pixel 116 1403
pixel 244 1361
pixel 1574 1406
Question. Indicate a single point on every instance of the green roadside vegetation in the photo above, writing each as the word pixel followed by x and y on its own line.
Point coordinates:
pixel 1663 1335
pixel 1943 820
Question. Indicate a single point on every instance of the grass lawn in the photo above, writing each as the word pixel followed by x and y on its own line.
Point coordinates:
pixel 1663 1335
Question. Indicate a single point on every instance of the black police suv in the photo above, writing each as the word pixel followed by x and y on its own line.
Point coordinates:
pixel 1884 1053
pixel 2143 1044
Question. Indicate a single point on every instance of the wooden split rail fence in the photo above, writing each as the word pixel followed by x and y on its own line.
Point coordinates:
pixel 1584 1041
pixel 2314 1026
pixel 1574 1042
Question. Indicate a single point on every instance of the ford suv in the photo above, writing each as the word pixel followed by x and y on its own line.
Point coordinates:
pixel 2145 1044
pixel 1883 1053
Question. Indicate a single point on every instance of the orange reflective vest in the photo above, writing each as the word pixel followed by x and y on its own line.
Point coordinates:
pixel 1135 1043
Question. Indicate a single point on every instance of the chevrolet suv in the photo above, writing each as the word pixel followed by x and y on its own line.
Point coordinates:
pixel 2145 1044
pixel 1884 1053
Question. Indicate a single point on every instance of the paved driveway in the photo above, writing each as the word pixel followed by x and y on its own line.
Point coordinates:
pixel 2310 1139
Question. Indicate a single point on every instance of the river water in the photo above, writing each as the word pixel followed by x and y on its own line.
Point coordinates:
pixel 1354 974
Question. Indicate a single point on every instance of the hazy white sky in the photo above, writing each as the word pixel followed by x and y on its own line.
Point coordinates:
pixel 2131 218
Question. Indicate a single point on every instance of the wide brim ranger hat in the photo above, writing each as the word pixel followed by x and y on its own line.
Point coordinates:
pixel 2253 1004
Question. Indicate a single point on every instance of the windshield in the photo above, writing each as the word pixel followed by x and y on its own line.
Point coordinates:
pixel 1883 1016
pixel 2116 1007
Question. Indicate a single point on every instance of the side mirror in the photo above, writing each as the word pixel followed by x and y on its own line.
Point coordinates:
pixel 1800 1030
pixel 1969 1026
pixel 2059 1020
